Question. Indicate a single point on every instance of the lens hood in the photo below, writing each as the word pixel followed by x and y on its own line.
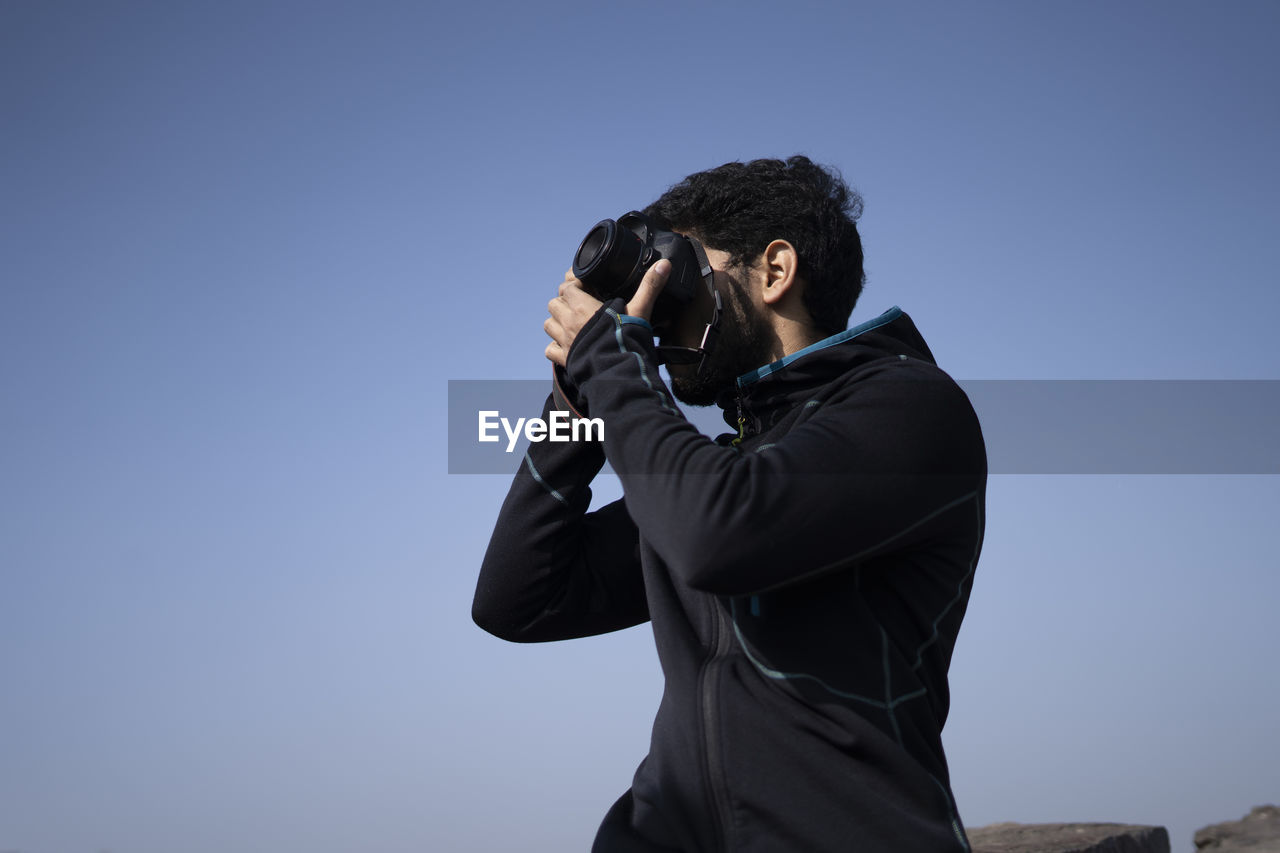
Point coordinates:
pixel 608 258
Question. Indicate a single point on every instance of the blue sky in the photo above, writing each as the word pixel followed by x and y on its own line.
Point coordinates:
pixel 245 245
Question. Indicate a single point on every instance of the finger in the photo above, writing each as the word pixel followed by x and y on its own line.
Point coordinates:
pixel 555 353
pixel 554 330
pixel 575 306
pixel 641 305
pixel 557 307
pixel 572 285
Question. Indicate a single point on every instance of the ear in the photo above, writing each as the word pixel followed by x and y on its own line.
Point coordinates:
pixel 781 265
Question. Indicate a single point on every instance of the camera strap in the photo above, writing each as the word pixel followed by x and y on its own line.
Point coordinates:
pixel 687 355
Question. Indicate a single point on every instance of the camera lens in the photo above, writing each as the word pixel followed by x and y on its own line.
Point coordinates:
pixel 591 247
pixel 607 258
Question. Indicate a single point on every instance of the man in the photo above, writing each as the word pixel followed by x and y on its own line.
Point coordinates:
pixel 805 577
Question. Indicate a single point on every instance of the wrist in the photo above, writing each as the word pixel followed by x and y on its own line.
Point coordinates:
pixel 580 364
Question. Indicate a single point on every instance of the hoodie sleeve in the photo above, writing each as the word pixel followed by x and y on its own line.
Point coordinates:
pixel 554 571
pixel 886 462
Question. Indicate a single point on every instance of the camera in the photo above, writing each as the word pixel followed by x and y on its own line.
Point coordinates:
pixel 614 256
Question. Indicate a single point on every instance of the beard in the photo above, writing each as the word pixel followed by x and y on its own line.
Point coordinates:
pixel 745 343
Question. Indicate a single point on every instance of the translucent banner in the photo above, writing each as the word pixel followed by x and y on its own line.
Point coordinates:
pixel 1059 426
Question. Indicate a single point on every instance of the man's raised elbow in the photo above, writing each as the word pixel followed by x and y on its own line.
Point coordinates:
pixel 493 621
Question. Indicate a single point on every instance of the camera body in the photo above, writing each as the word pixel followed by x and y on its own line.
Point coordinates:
pixel 614 256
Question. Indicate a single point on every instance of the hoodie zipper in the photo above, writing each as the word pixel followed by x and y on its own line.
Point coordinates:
pixel 711 728
pixel 742 419
pixel 721 815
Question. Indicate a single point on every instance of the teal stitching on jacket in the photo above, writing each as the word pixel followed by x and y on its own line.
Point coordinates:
pixel 937 512
pixel 631 319
pixel 951 812
pixel 858 556
pixel 778 675
pixel 784 676
pixel 622 347
pixel 534 471
pixel 973 564
pixel 888 685
pixel 914 694
pixel 876 322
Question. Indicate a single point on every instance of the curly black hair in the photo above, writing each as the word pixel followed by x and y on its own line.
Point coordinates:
pixel 740 208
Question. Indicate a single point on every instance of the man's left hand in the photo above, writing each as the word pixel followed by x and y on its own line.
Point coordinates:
pixel 573 307
pixel 570 311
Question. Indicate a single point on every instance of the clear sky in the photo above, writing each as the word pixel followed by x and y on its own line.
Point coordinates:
pixel 244 245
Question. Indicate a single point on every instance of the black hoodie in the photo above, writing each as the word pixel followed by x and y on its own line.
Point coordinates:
pixel 805 579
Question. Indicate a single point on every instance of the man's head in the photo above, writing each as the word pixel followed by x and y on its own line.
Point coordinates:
pixel 767 223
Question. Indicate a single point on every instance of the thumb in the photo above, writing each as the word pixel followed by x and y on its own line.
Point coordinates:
pixel 641 305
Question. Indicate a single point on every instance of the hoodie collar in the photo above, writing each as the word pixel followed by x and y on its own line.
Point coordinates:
pixel 764 394
pixel 840 337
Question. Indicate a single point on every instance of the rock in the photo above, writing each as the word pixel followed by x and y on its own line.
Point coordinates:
pixel 1257 832
pixel 1068 838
